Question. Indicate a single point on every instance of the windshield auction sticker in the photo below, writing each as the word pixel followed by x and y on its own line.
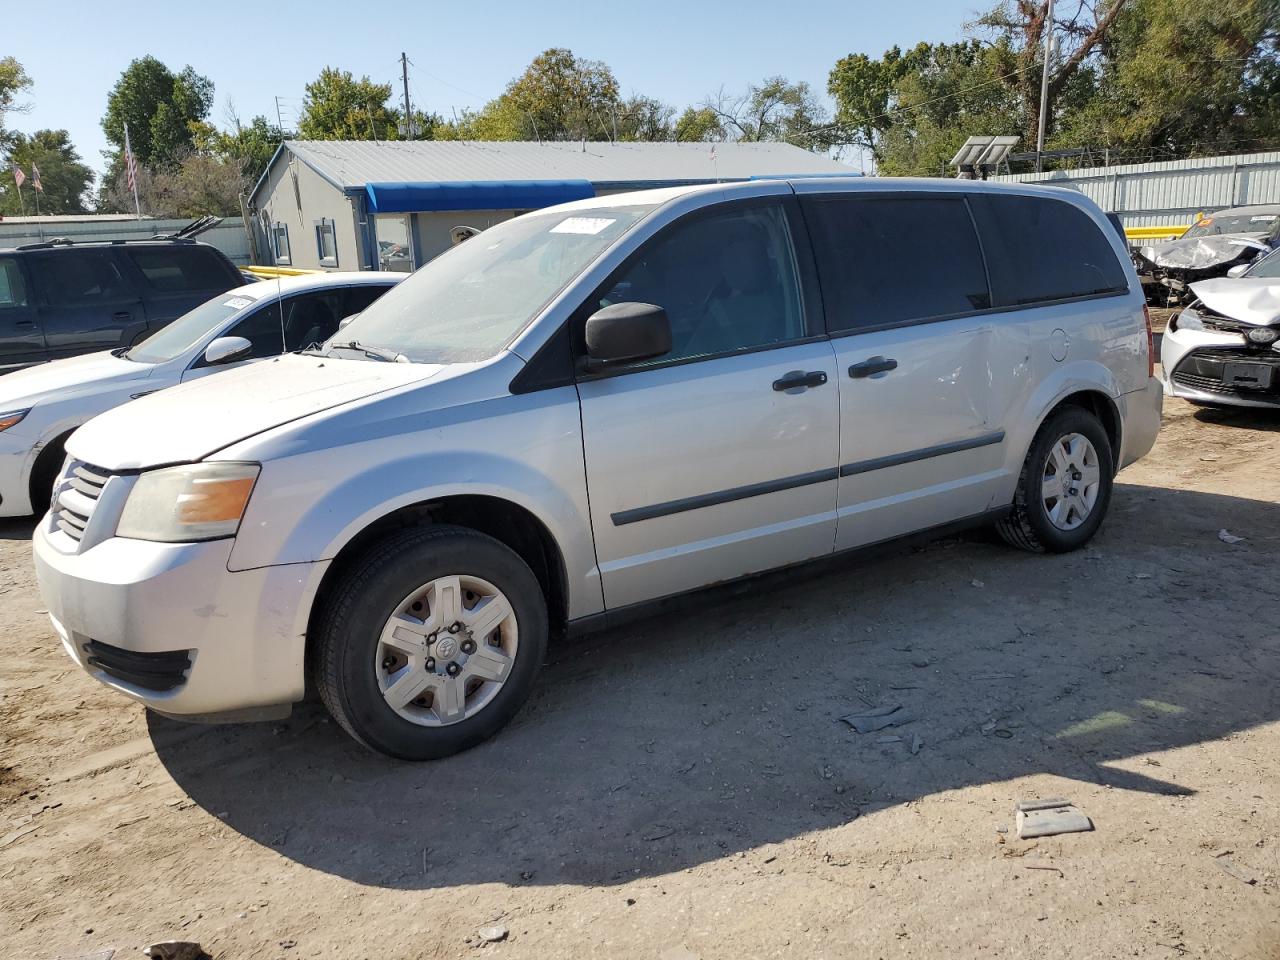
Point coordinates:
pixel 588 225
pixel 237 303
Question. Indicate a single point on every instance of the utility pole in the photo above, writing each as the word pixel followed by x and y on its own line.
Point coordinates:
pixel 408 114
pixel 1044 84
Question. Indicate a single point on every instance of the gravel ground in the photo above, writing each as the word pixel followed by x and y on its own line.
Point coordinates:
pixel 683 789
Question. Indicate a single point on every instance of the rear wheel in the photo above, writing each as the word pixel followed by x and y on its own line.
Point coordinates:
pixel 431 642
pixel 1065 485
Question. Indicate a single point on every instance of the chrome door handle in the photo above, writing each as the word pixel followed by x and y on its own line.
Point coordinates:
pixel 872 366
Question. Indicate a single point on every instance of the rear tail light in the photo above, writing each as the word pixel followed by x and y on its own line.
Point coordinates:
pixel 1151 343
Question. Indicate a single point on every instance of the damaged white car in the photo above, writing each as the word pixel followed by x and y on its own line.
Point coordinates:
pixel 1213 246
pixel 1223 348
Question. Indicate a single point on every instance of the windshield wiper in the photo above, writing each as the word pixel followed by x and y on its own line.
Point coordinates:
pixel 375 353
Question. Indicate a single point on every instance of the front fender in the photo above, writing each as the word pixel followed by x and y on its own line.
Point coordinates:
pixel 306 508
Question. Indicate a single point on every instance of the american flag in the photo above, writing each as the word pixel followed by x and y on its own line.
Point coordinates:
pixel 35 177
pixel 18 176
pixel 130 162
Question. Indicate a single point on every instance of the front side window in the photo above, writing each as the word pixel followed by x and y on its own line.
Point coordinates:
pixel 727 280
pixel 327 243
pixel 896 260
pixel 470 301
pixel 13 291
pixel 280 242
pixel 1040 250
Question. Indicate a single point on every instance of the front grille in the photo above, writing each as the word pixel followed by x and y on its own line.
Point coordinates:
pixel 1202 370
pixel 78 497
pixel 151 671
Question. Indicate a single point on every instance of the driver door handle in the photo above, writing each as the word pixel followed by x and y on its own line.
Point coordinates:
pixel 872 366
pixel 800 378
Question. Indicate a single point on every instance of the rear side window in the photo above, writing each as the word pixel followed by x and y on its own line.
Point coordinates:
pixel 1041 250
pixel 71 277
pixel 177 269
pixel 895 260
pixel 359 297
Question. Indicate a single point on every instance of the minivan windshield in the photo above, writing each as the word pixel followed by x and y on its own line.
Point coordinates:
pixel 469 302
pixel 188 330
pixel 1232 223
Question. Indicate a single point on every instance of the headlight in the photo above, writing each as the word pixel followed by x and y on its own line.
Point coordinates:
pixel 200 501
pixel 9 417
pixel 1188 320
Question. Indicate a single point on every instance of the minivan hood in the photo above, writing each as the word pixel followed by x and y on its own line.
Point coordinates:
pixel 191 421
pixel 1254 300
pixel 64 378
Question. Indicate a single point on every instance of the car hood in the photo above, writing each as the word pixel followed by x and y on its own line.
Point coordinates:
pixel 66 378
pixel 1253 300
pixel 1200 253
pixel 191 421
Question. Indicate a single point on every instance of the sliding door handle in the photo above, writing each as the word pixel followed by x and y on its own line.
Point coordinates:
pixel 800 378
pixel 872 366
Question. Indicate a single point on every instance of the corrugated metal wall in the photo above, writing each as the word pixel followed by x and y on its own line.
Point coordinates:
pixel 228 236
pixel 1172 192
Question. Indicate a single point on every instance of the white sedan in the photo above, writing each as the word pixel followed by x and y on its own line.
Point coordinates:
pixel 41 406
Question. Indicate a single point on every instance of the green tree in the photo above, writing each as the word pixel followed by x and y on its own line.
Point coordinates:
pixel 558 97
pixel 161 109
pixel 65 179
pixel 699 123
pixel 13 83
pixel 339 107
pixel 773 110
pixel 250 146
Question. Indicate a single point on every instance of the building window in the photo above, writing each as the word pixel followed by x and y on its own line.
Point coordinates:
pixel 280 242
pixel 395 246
pixel 327 242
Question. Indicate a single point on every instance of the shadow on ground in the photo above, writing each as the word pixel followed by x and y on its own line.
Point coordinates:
pixel 677 741
pixel 17 528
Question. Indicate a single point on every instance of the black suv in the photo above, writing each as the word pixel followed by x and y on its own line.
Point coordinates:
pixel 60 299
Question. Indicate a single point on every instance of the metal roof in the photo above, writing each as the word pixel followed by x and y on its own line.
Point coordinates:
pixel 351 164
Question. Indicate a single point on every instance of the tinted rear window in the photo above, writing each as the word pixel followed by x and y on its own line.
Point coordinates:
pixel 896 260
pixel 1040 249
pixel 172 269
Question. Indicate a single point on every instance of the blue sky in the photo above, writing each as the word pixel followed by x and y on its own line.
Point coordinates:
pixel 463 52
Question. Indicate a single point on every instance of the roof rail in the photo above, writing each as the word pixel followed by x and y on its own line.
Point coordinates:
pixel 66 242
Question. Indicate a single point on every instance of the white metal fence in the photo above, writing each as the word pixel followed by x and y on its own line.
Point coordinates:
pixel 1172 192
pixel 228 236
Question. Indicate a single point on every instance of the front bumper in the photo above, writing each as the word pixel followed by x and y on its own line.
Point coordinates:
pixel 1193 364
pixel 128 610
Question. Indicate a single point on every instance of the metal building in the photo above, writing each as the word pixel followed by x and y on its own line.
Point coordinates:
pixel 393 205
pixel 1171 192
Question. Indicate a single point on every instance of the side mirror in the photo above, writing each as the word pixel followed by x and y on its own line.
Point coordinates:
pixel 1239 270
pixel 346 320
pixel 227 350
pixel 624 332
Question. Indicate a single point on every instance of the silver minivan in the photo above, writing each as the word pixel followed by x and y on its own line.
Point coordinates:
pixel 587 411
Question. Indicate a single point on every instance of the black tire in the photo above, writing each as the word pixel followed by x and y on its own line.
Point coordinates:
pixel 45 474
pixel 1028 526
pixel 359 605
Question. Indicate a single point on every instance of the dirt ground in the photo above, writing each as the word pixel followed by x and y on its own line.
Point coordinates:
pixel 684 789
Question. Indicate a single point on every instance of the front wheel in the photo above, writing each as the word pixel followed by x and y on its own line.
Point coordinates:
pixel 1065 485
pixel 431 642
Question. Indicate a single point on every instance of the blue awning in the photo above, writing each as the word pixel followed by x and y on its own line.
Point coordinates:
pixel 475 195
